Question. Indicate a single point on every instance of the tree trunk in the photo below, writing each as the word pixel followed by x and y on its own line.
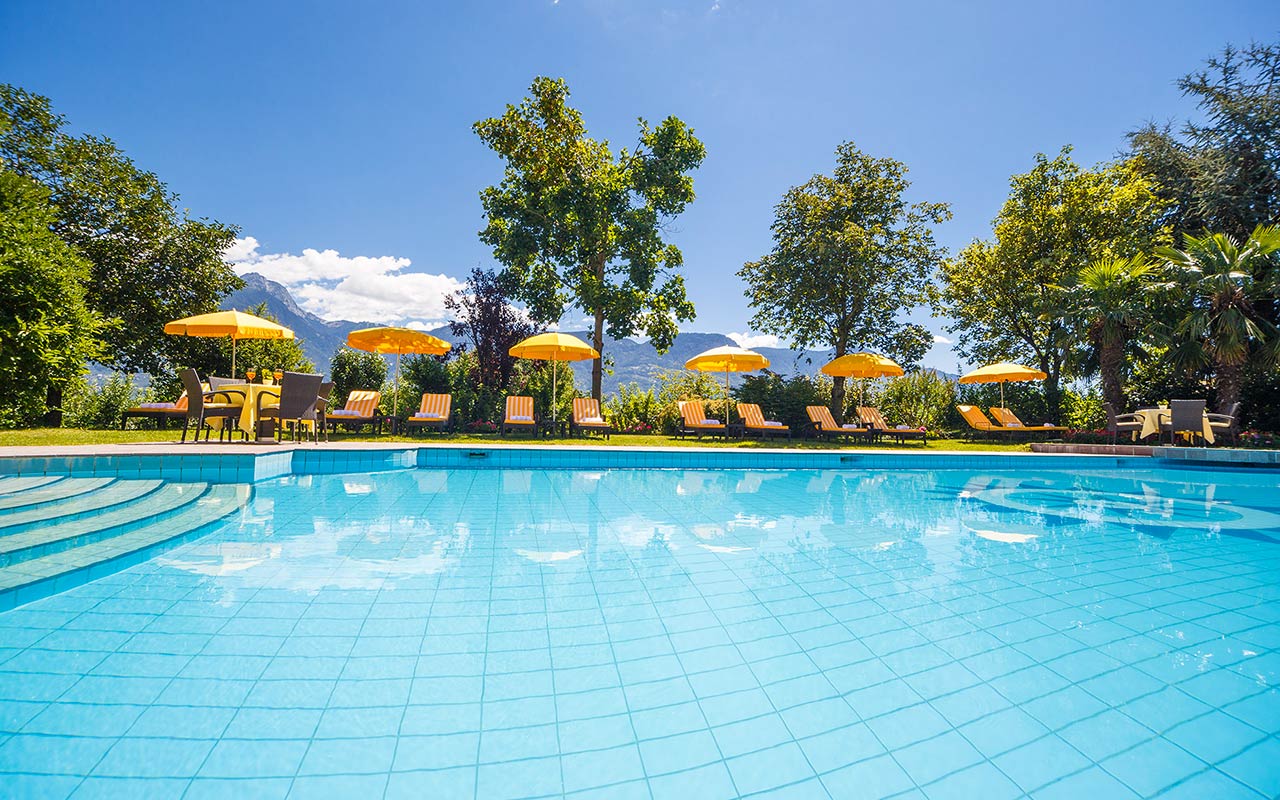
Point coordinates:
pixel 597 337
pixel 597 366
pixel 837 399
pixel 1230 378
pixel 1110 359
pixel 53 404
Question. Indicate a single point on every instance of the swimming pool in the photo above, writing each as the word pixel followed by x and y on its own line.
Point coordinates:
pixel 671 633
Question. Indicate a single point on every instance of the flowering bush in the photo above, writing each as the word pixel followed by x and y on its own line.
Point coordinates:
pixel 481 426
pixel 1099 436
pixel 1260 440
pixel 640 428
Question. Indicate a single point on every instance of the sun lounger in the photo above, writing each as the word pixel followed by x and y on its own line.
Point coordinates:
pixel 587 417
pixel 694 420
pixel 872 418
pixel 162 413
pixel 519 416
pixel 434 411
pixel 1009 420
pixel 976 420
pixel 825 427
pixel 753 421
pixel 361 409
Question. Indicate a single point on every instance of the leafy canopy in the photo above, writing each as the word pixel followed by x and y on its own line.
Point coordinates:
pixel 47 332
pixel 149 263
pixel 574 225
pixel 1058 219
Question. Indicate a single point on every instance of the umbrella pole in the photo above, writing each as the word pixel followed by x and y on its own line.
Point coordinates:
pixel 727 420
pixel 395 390
pixel 233 356
pixel 553 394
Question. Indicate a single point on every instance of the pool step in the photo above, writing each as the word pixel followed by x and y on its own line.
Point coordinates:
pixel 41 514
pixel 104 535
pixel 55 490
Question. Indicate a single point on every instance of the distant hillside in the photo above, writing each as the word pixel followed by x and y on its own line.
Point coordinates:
pixel 633 362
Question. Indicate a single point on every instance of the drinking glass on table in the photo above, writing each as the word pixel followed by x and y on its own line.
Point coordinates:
pixel 251 374
pixel 278 374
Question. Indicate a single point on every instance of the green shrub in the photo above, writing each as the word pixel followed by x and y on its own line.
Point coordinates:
pixel 1083 411
pixel 922 398
pixel 633 410
pixel 98 404
pixel 355 369
pixel 674 385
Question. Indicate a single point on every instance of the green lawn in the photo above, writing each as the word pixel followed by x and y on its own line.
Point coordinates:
pixel 69 436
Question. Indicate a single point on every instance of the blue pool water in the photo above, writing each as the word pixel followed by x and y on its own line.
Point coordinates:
pixel 671 634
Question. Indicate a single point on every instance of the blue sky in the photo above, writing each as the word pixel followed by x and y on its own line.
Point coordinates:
pixel 338 135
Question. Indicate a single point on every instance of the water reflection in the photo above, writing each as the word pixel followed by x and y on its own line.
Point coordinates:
pixel 907 527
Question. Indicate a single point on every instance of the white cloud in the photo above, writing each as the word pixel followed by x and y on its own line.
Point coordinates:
pixel 940 339
pixel 359 288
pixel 750 340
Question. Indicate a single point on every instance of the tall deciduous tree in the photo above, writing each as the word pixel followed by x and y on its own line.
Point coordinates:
pixel 575 225
pixel 149 262
pixel 1222 173
pixel 483 315
pixel 849 256
pixel 1058 219
pixel 1221 325
pixel 47 332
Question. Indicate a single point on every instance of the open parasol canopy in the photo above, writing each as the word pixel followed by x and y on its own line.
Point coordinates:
pixel 387 340
pixel 236 324
pixel 554 347
pixel 862 365
pixel 727 359
pixel 1002 373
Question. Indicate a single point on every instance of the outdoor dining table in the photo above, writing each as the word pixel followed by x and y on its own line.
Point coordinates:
pixel 248 420
pixel 1152 418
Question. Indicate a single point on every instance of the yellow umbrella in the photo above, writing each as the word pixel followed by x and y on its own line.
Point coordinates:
pixel 1003 373
pixel 236 324
pixel 399 341
pixel 554 347
pixel 862 365
pixel 727 359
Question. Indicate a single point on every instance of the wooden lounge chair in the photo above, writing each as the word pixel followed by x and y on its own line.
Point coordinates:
pixel 519 416
pixel 435 411
pixel 587 417
pixel 202 407
pixel 295 407
pixel 1009 421
pixel 162 413
pixel 694 420
pixel 976 420
pixel 872 418
pixel 361 409
pixel 753 421
pixel 825 427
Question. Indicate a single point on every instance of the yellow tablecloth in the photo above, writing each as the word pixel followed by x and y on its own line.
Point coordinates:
pixel 248 420
pixel 1153 417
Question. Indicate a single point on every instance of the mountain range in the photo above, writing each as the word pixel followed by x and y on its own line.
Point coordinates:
pixel 632 361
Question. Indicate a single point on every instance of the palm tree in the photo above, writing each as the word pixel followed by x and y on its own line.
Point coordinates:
pixel 1111 300
pixel 1221 325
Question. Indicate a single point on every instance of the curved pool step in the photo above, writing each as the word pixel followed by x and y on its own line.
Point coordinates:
pixel 35 542
pixel 111 495
pixel 75 550
pixel 9 484
pixel 55 490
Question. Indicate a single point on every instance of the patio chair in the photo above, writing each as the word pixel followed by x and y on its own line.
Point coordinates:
pixel 753 421
pixel 587 417
pixel 435 412
pixel 160 412
pixel 1009 420
pixel 1121 423
pixel 825 427
pixel 1185 416
pixel 694 420
pixel 519 415
pixel 296 405
pixel 322 406
pixel 361 409
pixel 872 418
pixel 1227 424
pixel 204 406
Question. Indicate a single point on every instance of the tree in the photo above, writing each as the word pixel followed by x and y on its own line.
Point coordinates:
pixel 1221 325
pixel 849 256
pixel 355 369
pixel 47 332
pixel 1222 174
pixel 572 224
pixel 1057 220
pixel 483 315
pixel 149 262
pixel 1111 304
